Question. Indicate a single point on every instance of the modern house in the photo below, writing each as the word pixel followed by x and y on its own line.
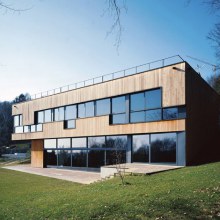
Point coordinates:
pixel 162 112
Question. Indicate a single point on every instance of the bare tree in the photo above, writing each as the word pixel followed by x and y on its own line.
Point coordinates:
pixel 8 7
pixel 214 34
pixel 115 8
pixel 214 82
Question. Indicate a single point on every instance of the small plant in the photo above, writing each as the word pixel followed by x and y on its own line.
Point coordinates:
pixel 120 165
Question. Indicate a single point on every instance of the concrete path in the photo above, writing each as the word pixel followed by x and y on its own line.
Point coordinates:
pixel 84 177
pixel 136 168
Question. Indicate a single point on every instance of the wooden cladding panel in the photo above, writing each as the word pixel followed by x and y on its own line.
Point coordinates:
pixel 100 126
pixel 172 82
pixel 37 156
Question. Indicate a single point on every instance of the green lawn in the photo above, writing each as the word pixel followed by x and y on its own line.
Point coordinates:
pixel 188 193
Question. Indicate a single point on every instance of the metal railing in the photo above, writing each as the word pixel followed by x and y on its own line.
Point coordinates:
pixel 111 76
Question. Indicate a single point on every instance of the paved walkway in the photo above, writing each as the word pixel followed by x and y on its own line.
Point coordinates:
pixel 77 176
pixel 136 168
pixel 148 168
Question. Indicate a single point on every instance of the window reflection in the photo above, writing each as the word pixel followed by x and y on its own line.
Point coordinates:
pixel 119 119
pixel 50 158
pixel 70 124
pixel 48 115
pixel 103 107
pixel 153 99
pixel 163 148
pixel 79 142
pixel 79 158
pixel 81 110
pixel 50 143
pixel 89 109
pixel 153 115
pixel 63 143
pixel 137 102
pixel 27 129
pixel 33 128
pixel 140 148
pixel 118 105
pixel 64 158
pixel 16 120
pixel 70 112
pixel 137 116
pixel 19 129
pixel 40 117
pixel 170 113
pixel 96 158
pixel 96 142
pixel 115 157
pixel 119 142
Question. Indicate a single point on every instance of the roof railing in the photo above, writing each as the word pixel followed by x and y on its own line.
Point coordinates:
pixel 111 76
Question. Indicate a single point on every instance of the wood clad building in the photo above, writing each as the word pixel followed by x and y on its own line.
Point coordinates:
pixel 166 115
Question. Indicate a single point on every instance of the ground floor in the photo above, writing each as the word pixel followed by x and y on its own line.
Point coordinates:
pixel 94 152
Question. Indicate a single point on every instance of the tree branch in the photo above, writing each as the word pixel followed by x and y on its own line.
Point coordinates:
pixel 115 10
pixel 8 7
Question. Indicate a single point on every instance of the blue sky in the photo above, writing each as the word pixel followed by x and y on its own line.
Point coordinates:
pixel 61 42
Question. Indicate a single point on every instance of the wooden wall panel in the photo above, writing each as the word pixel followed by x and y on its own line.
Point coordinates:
pixel 172 82
pixel 37 154
pixel 100 126
pixel 203 120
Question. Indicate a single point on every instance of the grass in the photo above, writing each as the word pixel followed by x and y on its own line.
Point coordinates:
pixel 187 193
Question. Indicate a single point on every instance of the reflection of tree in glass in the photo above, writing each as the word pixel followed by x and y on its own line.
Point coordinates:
pixel 119 143
pixel 79 158
pixel 64 158
pixel 97 142
pixel 141 154
pixel 163 150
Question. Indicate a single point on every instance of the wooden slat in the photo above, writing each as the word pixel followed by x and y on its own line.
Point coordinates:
pixel 37 153
pixel 100 126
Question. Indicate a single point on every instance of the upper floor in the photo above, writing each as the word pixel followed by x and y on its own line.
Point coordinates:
pixel 149 101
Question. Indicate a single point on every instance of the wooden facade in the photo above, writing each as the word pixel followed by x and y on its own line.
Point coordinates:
pixel 37 156
pixel 171 80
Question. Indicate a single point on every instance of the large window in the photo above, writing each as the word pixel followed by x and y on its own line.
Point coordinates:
pixel 153 99
pixel 103 107
pixel 50 143
pixel 81 110
pixel 163 148
pixel 48 115
pixel 40 117
pixel 96 142
pixel 79 142
pixel 70 112
pixel 17 120
pixel 137 102
pixel 153 115
pixel 90 110
pixel 140 148
pixel 96 158
pixel 63 143
pixel 146 106
pixel 79 158
pixel 174 113
pixel 50 158
pixel 64 158
pixel 118 110
pixel 116 142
